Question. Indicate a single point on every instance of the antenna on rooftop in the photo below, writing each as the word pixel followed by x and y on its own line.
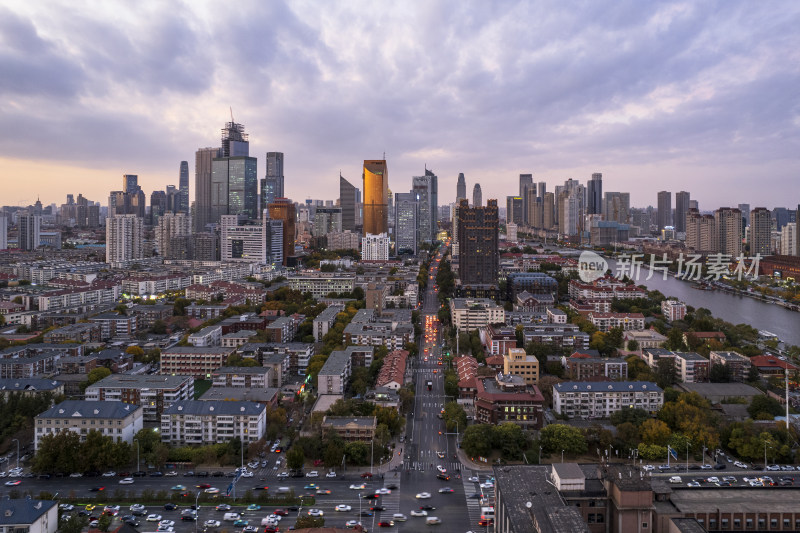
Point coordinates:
pixel 231 108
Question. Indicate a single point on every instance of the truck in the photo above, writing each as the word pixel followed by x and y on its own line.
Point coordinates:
pixel 429 383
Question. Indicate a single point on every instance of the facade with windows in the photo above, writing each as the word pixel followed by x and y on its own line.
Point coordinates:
pixel 212 421
pixel 153 392
pixel 577 399
pixel 120 421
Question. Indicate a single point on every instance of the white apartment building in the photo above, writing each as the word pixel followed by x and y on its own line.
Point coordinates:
pixel 788 239
pixel 375 247
pixel 578 399
pixel 608 321
pixel 153 392
pixel 213 421
pixel 673 310
pixel 171 225
pixel 335 373
pixel 251 377
pixel 475 313
pixel 320 284
pixel 207 337
pixel 323 321
pixel 259 241
pixel 120 421
pixel 193 361
pixel 124 239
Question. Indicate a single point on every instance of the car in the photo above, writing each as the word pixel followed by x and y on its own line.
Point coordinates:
pixel 487 485
pixel 486 522
pixel 664 468
pixel 76 474
pixel 350 524
pixel 110 473
pixel 787 467
pixel 203 486
pixel 773 467
pixel 126 481
pixel 423 495
pixel 136 507
pixel 170 506
pixel 212 523
pixel 756 483
pixel 370 496
pixel 343 508
pixel 313 473
pixel 253 464
pixel 261 487
pixel 706 467
pixel 250 529
pixel 739 464
pixel 445 490
pixel 474 479
pixel 66 507
pixel 202 473
pixel 443 477
pixel 720 466
pixel 475 496
pixel 330 474
pixel 391 486
pixel 153 518
pixel 315 512
pixel 189 517
pixel 240 522
pixel 253 507
pixel 367 475
pixel 171 473
pixel 440 455
pixel 131 522
pixel 365 513
pixel 694 467
pixel 13 483
pixel 111 508
pixel 283 475
pixel 211 490
pixel 178 487
pixel 247 473
pixel 223 507
pixel 693 484
pixel 712 479
pixel 94 523
pixel 415 512
pixel 386 523
pixel 377 508
pixel 165 529
pixel 167 523
pixel 399 517
pixel 675 479
pixel 383 490
pixel 311 486
pixel 323 492
pixel 427 508
pixel 729 479
pixel 358 487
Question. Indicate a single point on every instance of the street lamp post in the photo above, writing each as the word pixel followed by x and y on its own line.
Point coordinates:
pixel 17 441
pixel 562 456
pixel 540 455
pixel 138 468
pixel 196 511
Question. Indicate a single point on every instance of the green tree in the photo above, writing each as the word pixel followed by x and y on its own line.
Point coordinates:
pixel 654 431
pixel 104 522
pixel 720 373
pixel 96 374
pixel 675 340
pixel 295 458
pixel 633 345
pixel 477 441
pixel 666 373
pixel 74 523
pixel 764 408
pixel 634 416
pixel 159 327
pixel 357 453
pixel 454 417
pixel 511 440
pixel 305 521
pixel 558 437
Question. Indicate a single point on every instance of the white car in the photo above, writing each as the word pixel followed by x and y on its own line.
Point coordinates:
pixel 693 484
pixel 153 518
pixel 171 473
pixel 474 479
pixel 313 473
pixel 358 487
pixel 211 490
pixel 383 490
pixel 76 474
pixel 330 474
pixel 165 529
pixel 423 495
pixel 399 517
pixel 315 512
pixel 773 467
pixel 110 473
pixel 713 479
pixel 269 521
pixel 136 507
pixel 487 485
pixel 66 507
pixel 126 481
pixel 343 508
pixel 247 474
pixel 414 512
pixel 756 483
pixel 675 479
pixel 253 464
pixel 166 523
pixel 648 468
pixel 441 469
pixel 350 524
pixel 212 523
pixel 740 464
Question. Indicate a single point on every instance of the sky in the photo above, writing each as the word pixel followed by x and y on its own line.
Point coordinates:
pixel 696 96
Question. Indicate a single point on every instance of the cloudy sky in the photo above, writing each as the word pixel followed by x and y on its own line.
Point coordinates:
pixel 697 96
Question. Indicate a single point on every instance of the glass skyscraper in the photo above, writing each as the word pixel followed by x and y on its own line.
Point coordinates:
pixel 376 191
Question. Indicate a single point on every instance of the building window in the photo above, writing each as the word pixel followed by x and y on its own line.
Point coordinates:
pixel 644 525
pixel 749 523
pixel 737 523
pixel 724 523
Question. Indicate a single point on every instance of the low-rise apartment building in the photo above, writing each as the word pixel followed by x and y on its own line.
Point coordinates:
pixel 587 400
pixel 393 371
pixel 691 367
pixel 335 373
pixel 150 314
pixel 475 313
pixel 648 338
pixel 738 363
pixel 120 421
pixel 153 392
pixel 516 362
pixel 323 321
pixel 607 321
pixel 498 340
pixel 30 387
pixel 507 398
pixel 251 377
pixel 194 361
pixel 207 337
pixel 586 364
pixel 559 335
pixel 351 428
pixel 199 422
pixel 113 325
pixel 673 310
pixel 80 333
pixel 321 284
pixel 237 338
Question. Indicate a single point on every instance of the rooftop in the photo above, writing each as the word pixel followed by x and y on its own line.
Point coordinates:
pixel 721 389
pixel 10 384
pixel 612 386
pixel 215 408
pixel 241 370
pixel 340 421
pixel 155 381
pixel 89 409
pixel 239 394
pixel 739 500
pixel 23 512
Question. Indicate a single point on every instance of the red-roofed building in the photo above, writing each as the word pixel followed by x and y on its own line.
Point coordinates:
pixel 769 365
pixel 506 398
pixel 495 362
pixel 392 374
pixel 498 339
pixel 705 336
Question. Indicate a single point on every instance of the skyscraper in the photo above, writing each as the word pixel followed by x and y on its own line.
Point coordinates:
pixel 130 200
pixel 30 227
pixel 594 195
pixel 617 207
pixel 259 240
pixel 406 226
pixel 3 232
pixel 745 209
pixel 760 231
pixel 183 187
pixel 514 209
pixel 525 184
pixel 664 209
pixel 376 189
pixel 681 210
pixel 170 226
pixel 548 211
pixel 327 220
pixel 478 237
pixel 461 187
pixel 542 189
pixel 283 209
pixel 158 206
pixel 272 182
pixel 477 197
pixel 424 190
pixel 797 231
pixel 130 183
pixel 348 201
pixel 203 160
pixel 701 232
pixel 729 231
pixel 124 239
pixel 234 180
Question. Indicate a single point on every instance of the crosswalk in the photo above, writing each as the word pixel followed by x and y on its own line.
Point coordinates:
pixel 473 505
pixel 451 466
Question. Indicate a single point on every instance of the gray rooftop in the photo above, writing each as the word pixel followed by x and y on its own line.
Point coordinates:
pixel 240 334
pixel 335 364
pixel 33 384
pixel 329 313
pixel 23 512
pixel 127 381
pixel 206 331
pixel 239 394
pixel 241 370
pixel 367 421
pixel 189 350
pixel 608 386
pixel 89 409
pixel 215 408
pixel 721 389
pixel 690 356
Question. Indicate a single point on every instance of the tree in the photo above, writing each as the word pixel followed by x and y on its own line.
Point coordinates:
pixel 558 437
pixel 719 373
pixel 96 374
pixel 675 340
pixel 136 352
pixel 633 345
pixel 634 416
pixel 295 458
pixel 454 417
pixel 753 374
pixel 104 522
pixel 654 431
pixel 666 373
pixel 74 523
pixel 764 408
pixel 477 441
pixel 305 521
pixel 159 327
pixel 511 440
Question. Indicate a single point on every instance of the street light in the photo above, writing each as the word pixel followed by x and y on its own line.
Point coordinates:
pixel 17 440
pixel 138 468
pixel 562 456
pixel 196 510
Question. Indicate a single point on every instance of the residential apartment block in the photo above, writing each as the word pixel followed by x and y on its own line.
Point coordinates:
pixel 194 361
pixel 673 310
pixel 559 335
pixel 578 399
pixel 475 313
pixel 212 421
pixel 207 337
pixel 251 377
pixel 738 363
pixel 516 362
pixel 153 392
pixel 586 364
pixel 607 321
pixel 120 421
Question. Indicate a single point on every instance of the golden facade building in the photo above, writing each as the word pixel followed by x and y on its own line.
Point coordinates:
pixel 283 209
pixel 376 197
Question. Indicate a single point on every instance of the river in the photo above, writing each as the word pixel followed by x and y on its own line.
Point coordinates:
pixel 732 308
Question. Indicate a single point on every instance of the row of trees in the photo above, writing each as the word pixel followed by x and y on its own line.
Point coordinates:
pixel 480 440
pixel 64 452
pixel 17 411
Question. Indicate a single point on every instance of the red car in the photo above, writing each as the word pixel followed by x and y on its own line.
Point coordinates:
pixel 367 475
pixel 204 486
pixel 281 512
pixel 486 522
pixel 271 529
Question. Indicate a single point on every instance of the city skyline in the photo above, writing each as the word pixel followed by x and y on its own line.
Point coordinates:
pixel 634 91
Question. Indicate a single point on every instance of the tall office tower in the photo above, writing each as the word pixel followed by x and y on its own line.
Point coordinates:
pixel 203 160
pixel 170 226
pixel 745 209
pixel 327 220
pixel 173 196
pixel 788 239
pixel 701 232
pixel 183 185
pixel 461 187
pixel 477 197
pixel 348 201
pixel 534 209
pixel 569 213
pixel 729 231
pixel 234 179
pixel 70 199
pixel 423 187
pixel 542 189
pixel 272 182
pixel 526 184
pixel 664 209
pixel 548 211
pixel 158 206
pixel 434 201
pixel 761 231
pixel 130 183
pixel 375 178
pixel 124 239
pixel 594 195
pixel 30 228
pixel 283 209
pixel 781 216
pixel 797 231
pixel 478 238
pixel 514 210
pixel 3 232
pixel 617 207
pixel 406 225
pixel 681 210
